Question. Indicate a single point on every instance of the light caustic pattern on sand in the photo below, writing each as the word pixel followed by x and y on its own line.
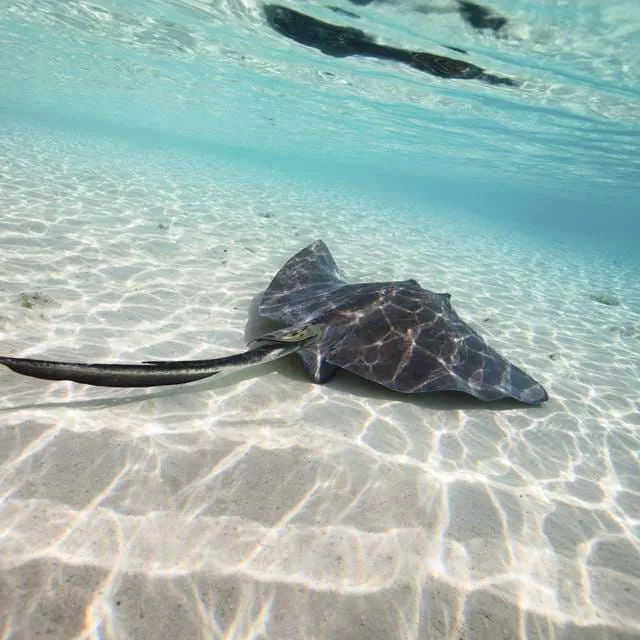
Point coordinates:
pixel 260 505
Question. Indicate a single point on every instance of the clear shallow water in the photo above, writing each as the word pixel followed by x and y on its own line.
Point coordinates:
pixel 563 147
pixel 158 165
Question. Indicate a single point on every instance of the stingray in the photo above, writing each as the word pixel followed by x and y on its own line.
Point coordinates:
pixel 396 334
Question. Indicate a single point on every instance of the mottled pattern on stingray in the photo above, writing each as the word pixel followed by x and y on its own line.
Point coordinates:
pixel 397 334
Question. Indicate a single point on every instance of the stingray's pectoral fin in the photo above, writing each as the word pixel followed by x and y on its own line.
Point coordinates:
pixel 108 375
pixel 524 388
pixel 314 362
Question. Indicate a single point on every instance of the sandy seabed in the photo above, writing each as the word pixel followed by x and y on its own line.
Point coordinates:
pixel 260 505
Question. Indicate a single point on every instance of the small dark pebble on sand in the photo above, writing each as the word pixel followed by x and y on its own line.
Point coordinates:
pixel 30 300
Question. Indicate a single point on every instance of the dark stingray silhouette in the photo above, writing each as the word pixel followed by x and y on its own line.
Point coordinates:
pixel 475 15
pixel 340 42
pixel 480 17
pixel 394 333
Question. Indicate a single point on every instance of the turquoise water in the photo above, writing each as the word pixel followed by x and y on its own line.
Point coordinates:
pixel 557 155
pixel 160 161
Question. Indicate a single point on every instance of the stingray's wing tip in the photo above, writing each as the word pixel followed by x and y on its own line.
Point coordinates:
pixel 535 394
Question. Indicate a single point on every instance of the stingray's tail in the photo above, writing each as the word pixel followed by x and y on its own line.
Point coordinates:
pixel 110 375
pixel 158 373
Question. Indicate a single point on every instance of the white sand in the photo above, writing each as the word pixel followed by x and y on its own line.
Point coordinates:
pixel 260 505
